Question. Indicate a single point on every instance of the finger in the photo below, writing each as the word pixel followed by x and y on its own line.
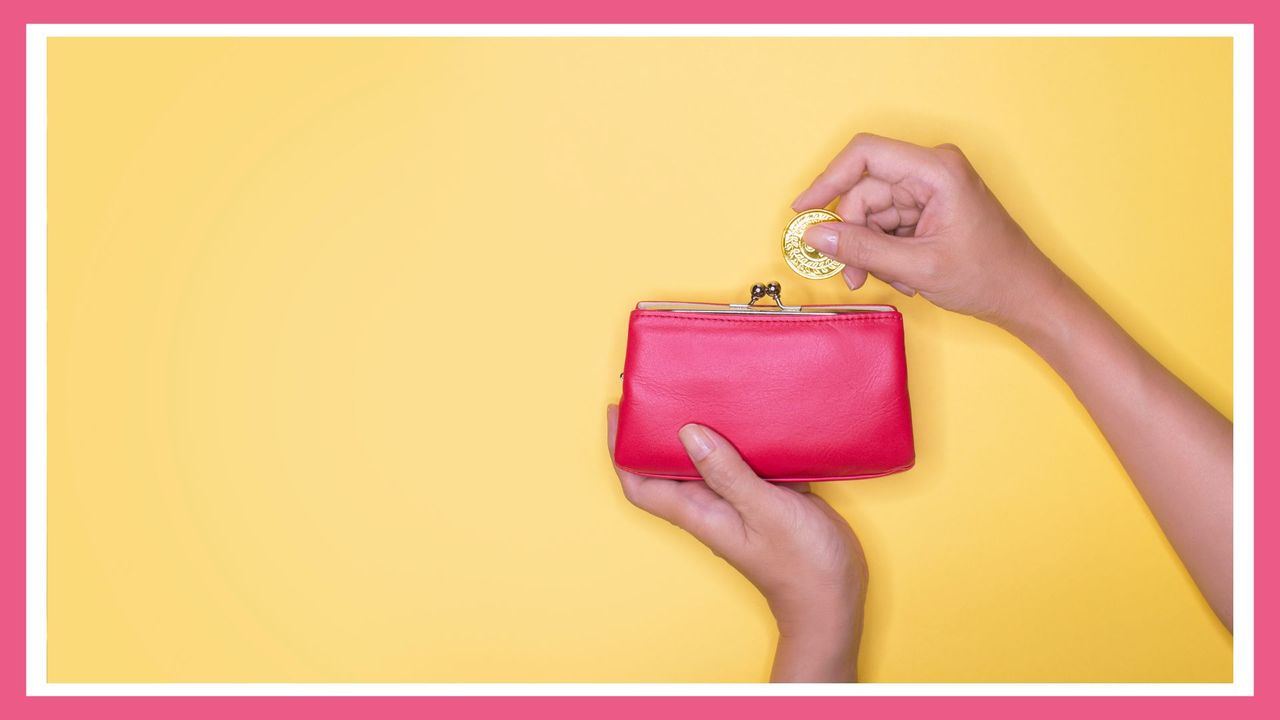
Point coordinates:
pixel 908 215
pixel 854 277
pixel 611 427
pixel 902 288
pixel 880 157
pixel 892 218
pixel 867 196
pixel 724 470
pixel 800 487
pixel 862 248
pixel 875 202
pixel 887 220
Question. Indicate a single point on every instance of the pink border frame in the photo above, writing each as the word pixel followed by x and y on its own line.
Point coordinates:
pixel 17 13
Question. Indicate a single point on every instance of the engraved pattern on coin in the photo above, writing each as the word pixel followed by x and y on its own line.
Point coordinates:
pixel 806 261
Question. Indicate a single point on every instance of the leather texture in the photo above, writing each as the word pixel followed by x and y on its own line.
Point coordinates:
pixel 802 398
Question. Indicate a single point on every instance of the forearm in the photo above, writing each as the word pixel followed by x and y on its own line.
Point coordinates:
pixel 1175 446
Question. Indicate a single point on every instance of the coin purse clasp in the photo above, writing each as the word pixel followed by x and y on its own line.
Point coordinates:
pixel 760 291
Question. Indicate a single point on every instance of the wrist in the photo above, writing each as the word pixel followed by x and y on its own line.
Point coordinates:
pixel 818 607
pixel 819 647
pixel 818 636
pixel 1038 305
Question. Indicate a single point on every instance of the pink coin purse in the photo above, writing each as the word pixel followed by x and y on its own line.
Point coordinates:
pixel 805 393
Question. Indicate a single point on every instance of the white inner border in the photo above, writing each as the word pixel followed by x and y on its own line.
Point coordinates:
pixel 37 317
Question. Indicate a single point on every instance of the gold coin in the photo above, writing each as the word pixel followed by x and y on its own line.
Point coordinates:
pixel 803 259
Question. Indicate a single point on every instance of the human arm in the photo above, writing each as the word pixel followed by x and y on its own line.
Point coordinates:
pixel 923 220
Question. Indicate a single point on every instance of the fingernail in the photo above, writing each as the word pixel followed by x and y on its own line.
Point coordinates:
pixel 848 282
pixel 822 239
pixel 697 441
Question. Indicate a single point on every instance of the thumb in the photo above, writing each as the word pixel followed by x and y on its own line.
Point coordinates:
pixel 724 470
pixel 863 248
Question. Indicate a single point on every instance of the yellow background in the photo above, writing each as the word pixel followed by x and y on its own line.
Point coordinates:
pixel 333 323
